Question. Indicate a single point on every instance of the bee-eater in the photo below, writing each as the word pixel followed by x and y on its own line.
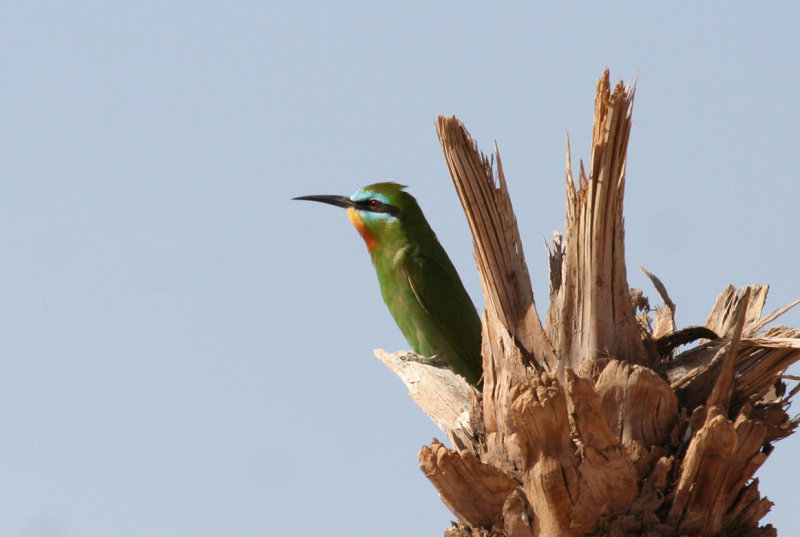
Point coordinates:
pixel 418 281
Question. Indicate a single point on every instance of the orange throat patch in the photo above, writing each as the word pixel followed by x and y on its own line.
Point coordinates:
pixel 355 218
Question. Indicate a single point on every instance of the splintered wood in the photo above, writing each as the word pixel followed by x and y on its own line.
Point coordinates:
pixel 590 310
pixel 498 248
pixel 593 425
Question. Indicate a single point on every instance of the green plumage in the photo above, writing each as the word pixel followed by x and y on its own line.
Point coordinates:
pixel 418 281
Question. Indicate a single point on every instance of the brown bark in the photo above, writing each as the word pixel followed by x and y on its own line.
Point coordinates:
pixel 591 424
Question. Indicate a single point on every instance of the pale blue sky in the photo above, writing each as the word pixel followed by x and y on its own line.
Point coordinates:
pixel 185 351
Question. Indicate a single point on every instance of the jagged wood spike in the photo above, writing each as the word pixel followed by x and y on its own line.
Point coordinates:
pixel 592 312
pixel 665 316
pixel 498 247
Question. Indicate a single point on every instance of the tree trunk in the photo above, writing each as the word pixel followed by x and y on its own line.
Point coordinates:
pixel 590 424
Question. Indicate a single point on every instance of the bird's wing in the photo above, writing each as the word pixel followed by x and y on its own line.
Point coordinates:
pixel 441 294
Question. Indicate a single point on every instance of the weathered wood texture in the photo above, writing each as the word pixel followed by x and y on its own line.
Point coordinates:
pixel 592 424
pixel 590 308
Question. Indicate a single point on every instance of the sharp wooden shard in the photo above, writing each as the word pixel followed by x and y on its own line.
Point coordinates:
pixel 591 313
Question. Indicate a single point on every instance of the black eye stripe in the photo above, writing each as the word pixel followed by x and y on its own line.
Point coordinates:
pixel 374 205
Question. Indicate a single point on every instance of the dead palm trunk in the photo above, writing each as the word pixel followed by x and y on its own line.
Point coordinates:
pixel 590 425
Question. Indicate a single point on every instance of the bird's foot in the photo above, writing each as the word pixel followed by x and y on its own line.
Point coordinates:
pixel 435 360
pixel 438 361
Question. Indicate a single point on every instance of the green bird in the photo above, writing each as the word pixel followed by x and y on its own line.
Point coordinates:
pixel 418 281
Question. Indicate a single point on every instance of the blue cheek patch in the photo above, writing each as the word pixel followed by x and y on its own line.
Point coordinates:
pixel 371 218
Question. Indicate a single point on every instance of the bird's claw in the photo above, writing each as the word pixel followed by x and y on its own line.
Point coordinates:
pixel 435 360
pixel 438 361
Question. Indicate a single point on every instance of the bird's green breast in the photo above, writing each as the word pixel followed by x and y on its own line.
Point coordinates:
pixel 429 303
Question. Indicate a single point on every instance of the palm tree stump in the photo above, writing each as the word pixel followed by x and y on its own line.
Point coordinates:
pixel 592 425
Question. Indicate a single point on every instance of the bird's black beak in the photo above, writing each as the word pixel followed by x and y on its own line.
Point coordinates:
pixel 339 201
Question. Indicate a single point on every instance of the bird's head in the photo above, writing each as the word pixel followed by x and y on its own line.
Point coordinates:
pixel 377 211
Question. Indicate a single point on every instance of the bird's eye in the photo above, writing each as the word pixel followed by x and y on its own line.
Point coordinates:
pixel 374 204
